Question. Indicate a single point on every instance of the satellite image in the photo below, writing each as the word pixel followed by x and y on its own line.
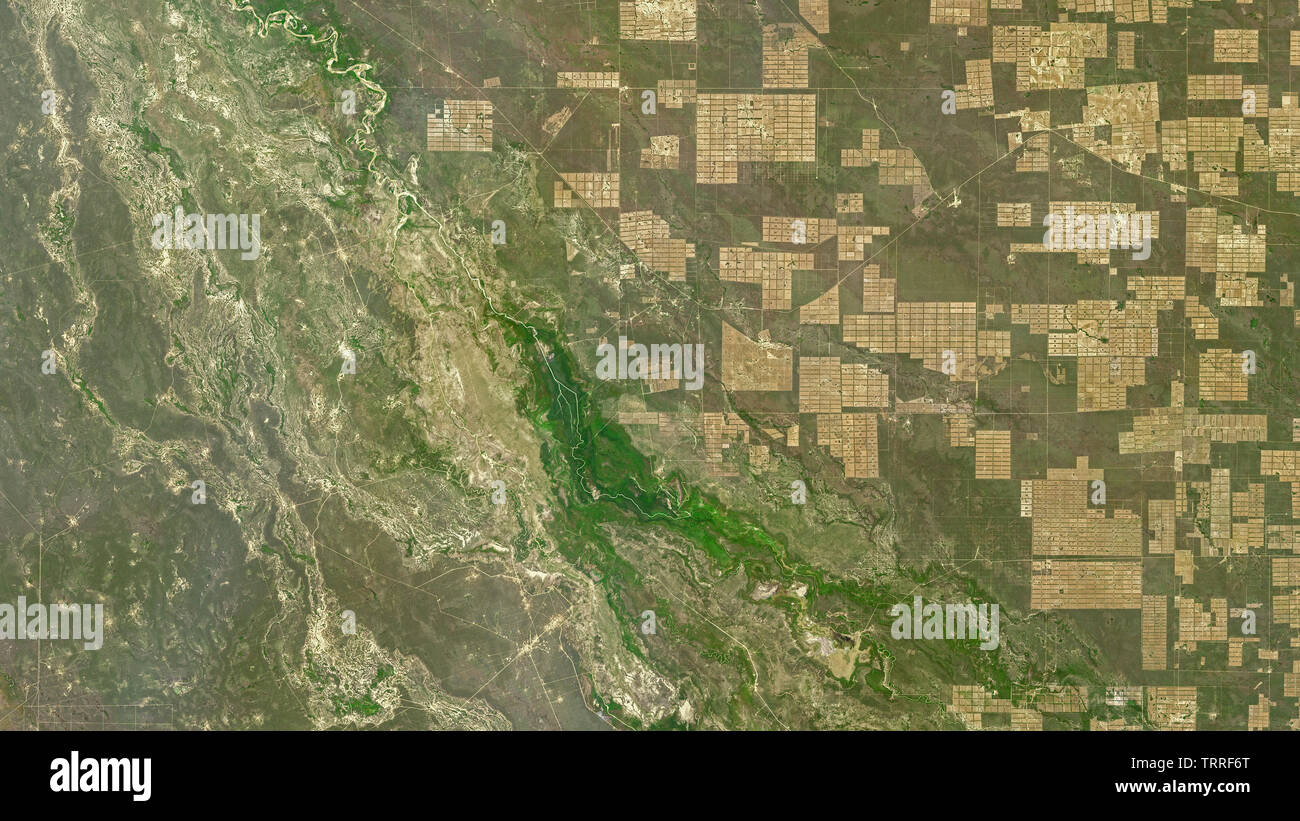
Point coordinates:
pixel 649 365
